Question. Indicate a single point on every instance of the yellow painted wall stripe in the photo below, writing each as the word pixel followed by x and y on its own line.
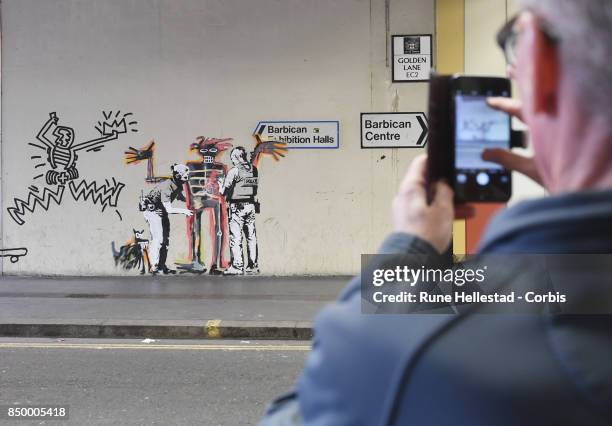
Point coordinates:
pixel 459 237
pixel 450 54
pixel 450 36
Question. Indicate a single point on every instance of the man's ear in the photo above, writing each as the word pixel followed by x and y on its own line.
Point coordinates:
pixel 547 67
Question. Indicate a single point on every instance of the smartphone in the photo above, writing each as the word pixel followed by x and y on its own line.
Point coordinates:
pixel 478 127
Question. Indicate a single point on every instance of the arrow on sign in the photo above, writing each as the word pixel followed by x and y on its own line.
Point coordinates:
pixel 421 140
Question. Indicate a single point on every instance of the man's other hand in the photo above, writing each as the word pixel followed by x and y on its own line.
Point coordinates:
pixel 411 213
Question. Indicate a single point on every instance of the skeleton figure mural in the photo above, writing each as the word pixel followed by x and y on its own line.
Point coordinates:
pixel 60 161
pixel 62 151
pixel 240 190
pixel 156 206
pixel 205 180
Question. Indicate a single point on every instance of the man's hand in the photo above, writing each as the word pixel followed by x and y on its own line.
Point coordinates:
pixel 187 212
pixel 411 214
pixel 505 157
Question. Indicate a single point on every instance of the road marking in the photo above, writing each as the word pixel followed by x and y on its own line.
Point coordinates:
pixel 297 348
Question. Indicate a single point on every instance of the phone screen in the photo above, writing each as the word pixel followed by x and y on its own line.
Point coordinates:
pixel 478 127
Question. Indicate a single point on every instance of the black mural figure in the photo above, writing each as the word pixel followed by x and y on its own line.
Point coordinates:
pixel 62 151
pixel 155 207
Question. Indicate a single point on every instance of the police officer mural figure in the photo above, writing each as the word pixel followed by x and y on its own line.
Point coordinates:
pixel 156 206
pixel 240 190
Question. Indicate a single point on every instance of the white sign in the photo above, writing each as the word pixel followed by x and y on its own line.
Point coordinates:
pixel 301 134
pixel 393 130
pixel 411 58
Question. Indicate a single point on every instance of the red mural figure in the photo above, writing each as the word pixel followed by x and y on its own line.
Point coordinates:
pixel 205 179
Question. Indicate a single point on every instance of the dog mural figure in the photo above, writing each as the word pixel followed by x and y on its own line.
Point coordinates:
pixel 134 253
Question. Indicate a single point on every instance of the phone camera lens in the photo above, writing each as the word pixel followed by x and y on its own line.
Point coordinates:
pixel 482 179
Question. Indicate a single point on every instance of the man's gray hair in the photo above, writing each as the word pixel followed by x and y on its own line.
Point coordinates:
pixel 584 28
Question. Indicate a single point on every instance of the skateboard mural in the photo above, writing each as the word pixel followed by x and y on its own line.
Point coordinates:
pixel 14 253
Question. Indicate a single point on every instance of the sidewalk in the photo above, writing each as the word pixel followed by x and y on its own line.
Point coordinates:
pixel 164 307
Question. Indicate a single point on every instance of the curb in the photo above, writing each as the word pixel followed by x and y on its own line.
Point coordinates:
pixel 211 329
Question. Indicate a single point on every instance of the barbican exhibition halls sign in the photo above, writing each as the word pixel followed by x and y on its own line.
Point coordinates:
pixel 393 130
pixel 412 58
pixel 301 134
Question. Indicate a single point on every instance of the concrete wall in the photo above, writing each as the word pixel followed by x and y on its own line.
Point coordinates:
pixel 202 67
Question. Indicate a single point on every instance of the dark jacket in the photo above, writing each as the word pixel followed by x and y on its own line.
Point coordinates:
pixel 467 368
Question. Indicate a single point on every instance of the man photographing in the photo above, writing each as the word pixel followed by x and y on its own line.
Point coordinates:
pixel 470 369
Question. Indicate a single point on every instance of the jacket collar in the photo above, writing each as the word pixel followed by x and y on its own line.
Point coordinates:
pixel 577 213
